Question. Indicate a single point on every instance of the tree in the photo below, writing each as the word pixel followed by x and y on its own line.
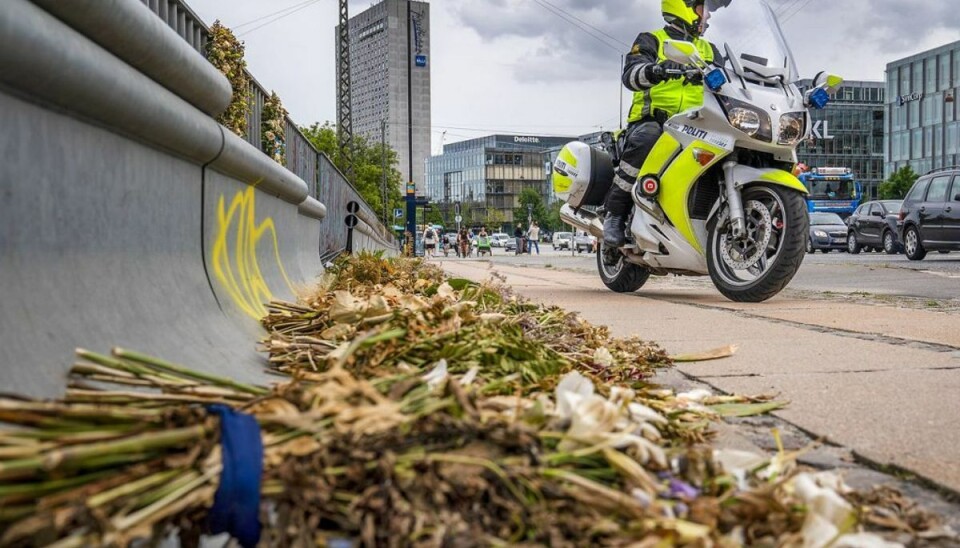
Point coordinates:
pixel 367 166
pixel 530 197
pixel 495 219
pixel 553 222
pixel 897 186
pixel 434 216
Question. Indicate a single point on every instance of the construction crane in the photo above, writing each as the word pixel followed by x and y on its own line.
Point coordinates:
pixel 344 108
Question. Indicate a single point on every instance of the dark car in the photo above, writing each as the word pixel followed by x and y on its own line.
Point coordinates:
pixel 930 215
pixel 874 226
pixel 827 232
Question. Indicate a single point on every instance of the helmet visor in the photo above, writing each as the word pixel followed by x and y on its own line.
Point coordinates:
pixel 714 5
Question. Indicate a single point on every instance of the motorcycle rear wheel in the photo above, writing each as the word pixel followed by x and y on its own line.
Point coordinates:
pixel 759 266
pixel 622 277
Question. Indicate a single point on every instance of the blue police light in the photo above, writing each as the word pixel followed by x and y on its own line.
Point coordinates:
pixel 715 79
pixel 819 98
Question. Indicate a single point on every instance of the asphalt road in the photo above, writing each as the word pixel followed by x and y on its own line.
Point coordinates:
pixel 933 281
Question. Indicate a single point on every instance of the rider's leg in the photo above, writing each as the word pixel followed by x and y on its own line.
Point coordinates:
pixel 639 142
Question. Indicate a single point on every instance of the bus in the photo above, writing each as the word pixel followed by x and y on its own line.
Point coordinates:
pixel 832 190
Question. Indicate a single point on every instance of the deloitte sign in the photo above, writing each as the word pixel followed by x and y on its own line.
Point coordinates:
pixel 526 140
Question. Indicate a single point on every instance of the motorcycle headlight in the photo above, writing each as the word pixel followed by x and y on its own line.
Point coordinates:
pixel 792 128
pixel 819 234
pixel 748 119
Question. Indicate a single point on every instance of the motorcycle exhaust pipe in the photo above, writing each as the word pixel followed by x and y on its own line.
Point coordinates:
pixel 586 221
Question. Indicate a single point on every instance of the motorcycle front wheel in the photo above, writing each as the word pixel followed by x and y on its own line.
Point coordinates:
pixel 759 265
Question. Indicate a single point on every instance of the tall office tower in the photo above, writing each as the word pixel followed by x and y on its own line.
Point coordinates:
pixel 390 80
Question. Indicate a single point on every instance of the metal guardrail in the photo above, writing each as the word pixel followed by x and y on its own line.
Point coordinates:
pixel 183 20
pixel 324 180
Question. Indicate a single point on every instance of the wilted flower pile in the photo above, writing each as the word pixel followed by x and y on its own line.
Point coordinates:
pixel 420 412
pixel 381 318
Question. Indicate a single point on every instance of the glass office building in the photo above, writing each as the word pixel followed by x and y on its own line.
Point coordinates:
pixel 849 133
pixel 489 173
pixel 922 128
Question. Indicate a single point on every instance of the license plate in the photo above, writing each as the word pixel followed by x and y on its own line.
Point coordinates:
pixel 840 240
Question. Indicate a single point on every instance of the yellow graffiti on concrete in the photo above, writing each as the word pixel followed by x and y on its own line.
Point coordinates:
pixel 236 266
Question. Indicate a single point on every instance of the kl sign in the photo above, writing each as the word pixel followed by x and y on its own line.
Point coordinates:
pixel 821 129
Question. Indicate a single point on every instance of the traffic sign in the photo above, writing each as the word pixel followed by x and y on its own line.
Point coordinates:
pixel 351 221
pixel 353 207
pixel 397 213
pixel 458 219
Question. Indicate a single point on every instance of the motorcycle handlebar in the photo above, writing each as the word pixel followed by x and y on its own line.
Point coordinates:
pixel 687 72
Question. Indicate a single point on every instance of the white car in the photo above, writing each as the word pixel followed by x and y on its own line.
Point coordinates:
pixel 584 243
pixel 562 240
pixel 499 239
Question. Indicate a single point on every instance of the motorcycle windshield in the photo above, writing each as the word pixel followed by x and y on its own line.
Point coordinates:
pixel 750 33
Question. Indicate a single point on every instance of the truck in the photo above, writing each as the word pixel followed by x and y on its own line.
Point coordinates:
pixel 832 190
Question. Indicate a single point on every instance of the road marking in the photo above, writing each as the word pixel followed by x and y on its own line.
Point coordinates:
pixel 941 274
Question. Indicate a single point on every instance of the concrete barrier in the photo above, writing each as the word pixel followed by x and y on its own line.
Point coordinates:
pixel 128 216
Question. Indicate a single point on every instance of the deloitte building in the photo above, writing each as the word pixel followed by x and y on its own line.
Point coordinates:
pixel 487 175
pixel 849 133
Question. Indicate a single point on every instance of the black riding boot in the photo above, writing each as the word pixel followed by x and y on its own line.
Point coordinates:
pixel 618 207
pixel 613 231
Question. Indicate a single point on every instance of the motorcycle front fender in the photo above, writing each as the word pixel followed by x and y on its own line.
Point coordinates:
pixel 746 176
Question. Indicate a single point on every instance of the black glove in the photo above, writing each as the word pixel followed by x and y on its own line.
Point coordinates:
pixel 693 78
pixel 668 70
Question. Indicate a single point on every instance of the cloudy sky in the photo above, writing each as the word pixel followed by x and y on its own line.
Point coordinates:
pixel 521 66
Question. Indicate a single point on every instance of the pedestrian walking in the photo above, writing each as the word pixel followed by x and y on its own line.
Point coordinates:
pixel 463 240
pixel 429 242
pixel 533 238
pixel 518 235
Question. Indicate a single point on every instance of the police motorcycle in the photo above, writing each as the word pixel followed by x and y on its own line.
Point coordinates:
pixel 716 196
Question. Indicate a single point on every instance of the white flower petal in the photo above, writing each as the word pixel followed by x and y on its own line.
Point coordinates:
pixel 471 375
pixel 437 375
pixel 697 395
pixel 603 357
pixel 571 390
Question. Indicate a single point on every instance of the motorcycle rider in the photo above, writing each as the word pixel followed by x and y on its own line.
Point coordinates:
pixel 660 91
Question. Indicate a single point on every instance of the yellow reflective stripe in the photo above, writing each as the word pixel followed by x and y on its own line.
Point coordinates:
pixel 562 183
pixel 663 151
pixel 675 186
pixel 784 178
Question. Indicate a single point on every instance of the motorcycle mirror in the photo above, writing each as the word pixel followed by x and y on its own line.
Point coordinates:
pixel 682 52
pixel 827 82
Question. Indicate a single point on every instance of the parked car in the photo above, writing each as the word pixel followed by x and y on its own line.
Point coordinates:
pixel 584 242
pixel 499 239
pixel 930 215
pixel 874 226
pixel 510 244
pixel 562 240
pixel 827 232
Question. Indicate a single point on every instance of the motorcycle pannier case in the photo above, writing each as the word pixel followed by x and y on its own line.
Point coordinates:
pixel 582 175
